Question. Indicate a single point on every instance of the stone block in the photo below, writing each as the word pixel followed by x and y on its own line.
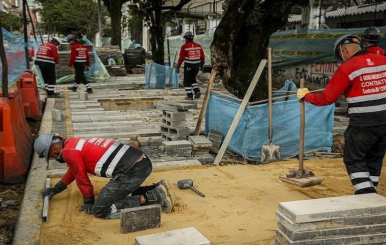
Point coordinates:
pixel 175 164
pixel 333 208
pixel 83 96
pixel 374 239
pixel 56 115
pixel 174 116
pixel 175 131
pixel 330 224
pixel 176 144
pixel 181 106
pixel 140 218
pixel 205 158
pixel 200 142
pixel 186 236
pixel 167 137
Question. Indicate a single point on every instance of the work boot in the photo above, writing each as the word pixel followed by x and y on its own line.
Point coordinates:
pixel 160 195
pixel 90 91
pixel 72 88
pixel 197 95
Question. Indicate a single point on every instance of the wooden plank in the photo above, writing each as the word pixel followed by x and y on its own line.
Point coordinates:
pixel 240 112
pixel 205 102
pixel 302 182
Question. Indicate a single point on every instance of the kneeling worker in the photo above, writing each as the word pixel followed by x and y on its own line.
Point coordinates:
pixel 128 167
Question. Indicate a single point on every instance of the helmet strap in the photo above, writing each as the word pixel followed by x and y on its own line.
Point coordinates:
pixel 341 53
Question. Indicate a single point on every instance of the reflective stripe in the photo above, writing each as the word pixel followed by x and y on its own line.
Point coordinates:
pixel 99 165
pixel 192 62
pixel 366 98
pixel 359 175
pixel 374 178
pixel 115 161
pixel 192 48
pixel 366 70
pixel 47 60
pixel 80 144
pixel 366 109
pixel 363 185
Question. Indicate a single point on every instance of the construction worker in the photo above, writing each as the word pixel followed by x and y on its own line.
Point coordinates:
pixel 128 167
pixel 193 56
pixel 81 61
pixel 371 38
pixel 361 77
pixel 46 58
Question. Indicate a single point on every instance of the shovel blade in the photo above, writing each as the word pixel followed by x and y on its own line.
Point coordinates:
pixel 270 153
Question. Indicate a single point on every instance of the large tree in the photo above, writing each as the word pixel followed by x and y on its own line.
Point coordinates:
pixel 241 40
pixel 69 16
pixel 152 11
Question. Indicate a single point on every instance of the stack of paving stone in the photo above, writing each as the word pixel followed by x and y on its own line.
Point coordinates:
pixel 174 126
pixel 114 70
pixel 359 219
pixel 178 148
pixel 201 146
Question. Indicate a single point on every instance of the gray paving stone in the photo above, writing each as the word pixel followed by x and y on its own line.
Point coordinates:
pixel 200 141
pixel 140 218
pixel 333 233
pixel 330 224
pixel 176 144
pixel 352 240
pixel 333 208
pixel 186 236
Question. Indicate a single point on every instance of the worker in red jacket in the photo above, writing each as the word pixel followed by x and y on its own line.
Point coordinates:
pixel 362 79
pixel 128 167
pixel 46 58
pixel 371 38
pixel 193 56
pixel 81 61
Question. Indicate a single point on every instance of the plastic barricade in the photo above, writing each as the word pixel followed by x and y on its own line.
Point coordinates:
pixel 15 139
pixel 30 93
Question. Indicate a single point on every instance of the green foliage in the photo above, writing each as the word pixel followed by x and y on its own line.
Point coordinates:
pixel 8 20
pixel 70 16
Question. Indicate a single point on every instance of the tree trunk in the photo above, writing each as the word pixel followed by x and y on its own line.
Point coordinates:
pixel 241 41
pixel 157 34
pixel 115 15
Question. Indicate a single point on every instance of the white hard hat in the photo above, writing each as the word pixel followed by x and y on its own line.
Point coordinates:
pixel 57 39
pixel 43 143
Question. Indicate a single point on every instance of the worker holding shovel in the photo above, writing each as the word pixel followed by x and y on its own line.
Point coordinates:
pixel 128 167
pixel 361 78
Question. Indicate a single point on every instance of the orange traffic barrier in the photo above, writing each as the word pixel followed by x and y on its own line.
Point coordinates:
pixel 27 84
pixel 15 139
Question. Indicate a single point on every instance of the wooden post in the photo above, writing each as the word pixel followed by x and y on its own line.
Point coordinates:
pixel 205 102
pixel 302 128
pixel 240 112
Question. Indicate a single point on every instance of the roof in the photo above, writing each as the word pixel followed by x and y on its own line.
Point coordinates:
pixel 355 10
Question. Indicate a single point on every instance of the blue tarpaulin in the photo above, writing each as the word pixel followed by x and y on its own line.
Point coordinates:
pixel 252 131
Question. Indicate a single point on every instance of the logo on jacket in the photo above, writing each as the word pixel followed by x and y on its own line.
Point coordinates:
pixel 369 62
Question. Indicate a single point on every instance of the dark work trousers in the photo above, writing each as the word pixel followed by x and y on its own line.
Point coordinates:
pixel 122 189
pixel 190 82
pixel 363 156
pixel 80 77
pixel 49 77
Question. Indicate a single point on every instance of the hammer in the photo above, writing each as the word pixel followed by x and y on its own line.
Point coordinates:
pixel 188 183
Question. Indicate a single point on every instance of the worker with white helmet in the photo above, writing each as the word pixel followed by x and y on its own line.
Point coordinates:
pixel 193 57
pixel 361 78
pixel 47 57
pixel 127 166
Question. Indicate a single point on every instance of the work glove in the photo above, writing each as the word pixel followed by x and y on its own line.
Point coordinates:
pixel 301 92
pixel 88 205
pixel 50 192
pixel 178 69
pixel 87 68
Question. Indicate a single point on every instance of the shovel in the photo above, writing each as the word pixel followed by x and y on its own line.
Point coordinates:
pixel 271 152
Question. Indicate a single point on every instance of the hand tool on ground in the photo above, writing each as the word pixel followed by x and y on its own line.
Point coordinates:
pixel 301 177
pixel 205 102
pixel 186 184
pixel 271 152
pixel 46 202
pixel 240 112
